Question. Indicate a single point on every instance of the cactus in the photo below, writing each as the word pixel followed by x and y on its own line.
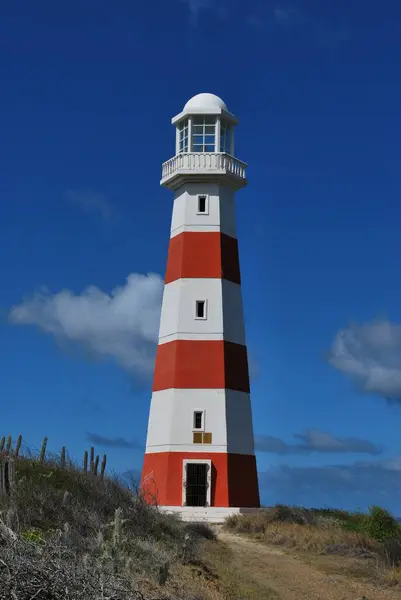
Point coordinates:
pixel 86 560
pixel 2 442
pixel 103 466
pixel 129 564
pixel 11 519
pixel 163 573
pixel 7 477
pixel 11 477
pixel 100 541
pixel 117 527
pixel 111 549
pixel 8 445
pixel 92 457
pixel 96 465
pixel 66 498
pixel 86 461
pixel 62 458
pixel 66 534
pixel 43 450
pixel 115 551
pixel 18 446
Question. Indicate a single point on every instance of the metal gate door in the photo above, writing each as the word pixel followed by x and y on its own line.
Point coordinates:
pixel 196 484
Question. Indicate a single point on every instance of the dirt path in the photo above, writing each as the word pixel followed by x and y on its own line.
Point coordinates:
pixel 291 579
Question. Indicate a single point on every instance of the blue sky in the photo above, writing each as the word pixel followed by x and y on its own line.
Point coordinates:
pixel 88 90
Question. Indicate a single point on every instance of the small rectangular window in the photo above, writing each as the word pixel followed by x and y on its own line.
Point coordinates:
pixel 198 419
pixel 202 205
pixel 200 309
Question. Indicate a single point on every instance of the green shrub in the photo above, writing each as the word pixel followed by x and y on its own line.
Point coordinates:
pixel 381 525
pixel 33 535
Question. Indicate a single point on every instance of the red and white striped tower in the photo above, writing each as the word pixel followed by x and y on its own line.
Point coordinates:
pixel 199 458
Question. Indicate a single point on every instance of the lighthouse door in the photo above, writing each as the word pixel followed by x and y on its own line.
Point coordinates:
pixel 196 484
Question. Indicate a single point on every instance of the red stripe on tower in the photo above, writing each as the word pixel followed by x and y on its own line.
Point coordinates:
pixel 203 254
pixel 200 447
pixel 201 364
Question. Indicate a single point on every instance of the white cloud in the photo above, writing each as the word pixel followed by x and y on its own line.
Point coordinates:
pixel 122 325
pixel 370 354
pixel 91 202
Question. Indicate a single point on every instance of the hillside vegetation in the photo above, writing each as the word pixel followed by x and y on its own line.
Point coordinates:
pixel 68 534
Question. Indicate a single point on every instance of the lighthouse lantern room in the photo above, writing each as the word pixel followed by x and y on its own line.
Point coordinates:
pixel 199 459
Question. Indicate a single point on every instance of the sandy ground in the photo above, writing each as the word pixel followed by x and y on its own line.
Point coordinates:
pixel 290 578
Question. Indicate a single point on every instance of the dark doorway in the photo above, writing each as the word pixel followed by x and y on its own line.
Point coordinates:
pixel 196 484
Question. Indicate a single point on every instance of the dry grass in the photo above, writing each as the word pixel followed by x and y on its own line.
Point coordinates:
pixel 332 541
pixel 311 538
pixel 392 576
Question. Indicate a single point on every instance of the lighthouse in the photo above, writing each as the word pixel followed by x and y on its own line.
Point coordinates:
pixel 199 458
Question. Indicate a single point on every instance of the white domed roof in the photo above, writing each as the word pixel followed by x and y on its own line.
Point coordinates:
pixel 205 101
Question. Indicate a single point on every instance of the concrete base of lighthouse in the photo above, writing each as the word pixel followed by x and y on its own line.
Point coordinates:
pixel 210 514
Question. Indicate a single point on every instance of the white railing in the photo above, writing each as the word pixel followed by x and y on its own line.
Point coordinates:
pixel 199 161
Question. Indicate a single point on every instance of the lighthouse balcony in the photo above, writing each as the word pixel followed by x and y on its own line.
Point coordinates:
pixel 204 166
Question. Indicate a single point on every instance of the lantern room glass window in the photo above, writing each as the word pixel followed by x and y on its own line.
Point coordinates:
pixel 204 134
pixel 183 136
pixel 225 137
